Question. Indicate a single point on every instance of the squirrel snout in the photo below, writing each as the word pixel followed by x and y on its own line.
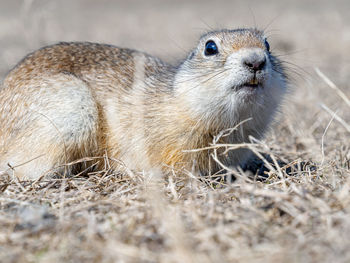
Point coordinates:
pixel 254 62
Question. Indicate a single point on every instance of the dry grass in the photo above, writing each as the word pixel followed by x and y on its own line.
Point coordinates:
pixel 302 216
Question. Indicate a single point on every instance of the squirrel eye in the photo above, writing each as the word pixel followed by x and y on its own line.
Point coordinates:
pixel 267 45
pixel 210 48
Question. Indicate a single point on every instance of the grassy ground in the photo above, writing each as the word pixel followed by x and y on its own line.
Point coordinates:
pixel 303 216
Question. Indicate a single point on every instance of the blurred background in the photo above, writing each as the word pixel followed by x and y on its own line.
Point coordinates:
pixel 307 33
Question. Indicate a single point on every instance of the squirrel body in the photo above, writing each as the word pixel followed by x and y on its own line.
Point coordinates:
pixel 74 100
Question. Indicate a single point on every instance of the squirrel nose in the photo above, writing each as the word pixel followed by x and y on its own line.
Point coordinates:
pixel 254 63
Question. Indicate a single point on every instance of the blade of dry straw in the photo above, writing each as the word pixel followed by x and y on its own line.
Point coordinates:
pixel 333 86
pixel 335 116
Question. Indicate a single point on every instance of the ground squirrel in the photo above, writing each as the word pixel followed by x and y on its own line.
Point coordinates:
pixel 72 100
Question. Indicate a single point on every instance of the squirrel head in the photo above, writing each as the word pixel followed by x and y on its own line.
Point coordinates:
pixel 231 76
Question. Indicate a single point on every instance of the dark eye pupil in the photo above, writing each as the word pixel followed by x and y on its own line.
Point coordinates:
pixel 210 48
pixel 267 45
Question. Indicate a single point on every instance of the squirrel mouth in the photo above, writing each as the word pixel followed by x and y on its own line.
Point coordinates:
pixel 251 84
